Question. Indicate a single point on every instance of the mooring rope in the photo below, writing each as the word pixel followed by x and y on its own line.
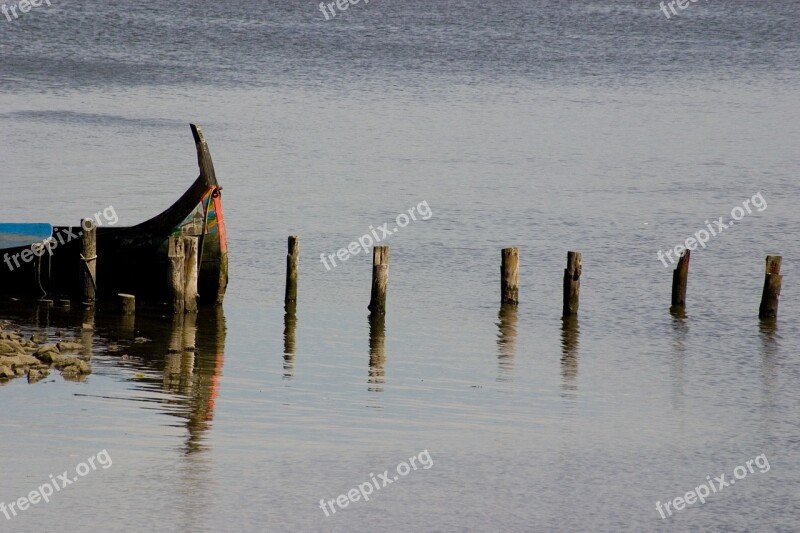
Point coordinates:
pixel 35 248
pixel 39 276
pixel 86 266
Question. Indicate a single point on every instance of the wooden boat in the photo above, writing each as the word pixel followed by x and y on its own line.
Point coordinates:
pixel 129 260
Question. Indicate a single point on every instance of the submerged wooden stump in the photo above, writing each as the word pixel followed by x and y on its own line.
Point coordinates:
pixel 772 288
pixel 127 304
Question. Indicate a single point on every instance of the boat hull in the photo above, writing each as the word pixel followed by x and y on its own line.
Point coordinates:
pixel 132 259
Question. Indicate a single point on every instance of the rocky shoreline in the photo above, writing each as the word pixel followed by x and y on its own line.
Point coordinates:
pixel 25 357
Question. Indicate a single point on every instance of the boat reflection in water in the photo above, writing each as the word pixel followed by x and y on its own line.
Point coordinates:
pixel 181 356
pixel 189 351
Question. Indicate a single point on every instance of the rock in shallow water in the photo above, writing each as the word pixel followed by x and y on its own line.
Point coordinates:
pixel 75 366
pixel 8 347
pixel 65 346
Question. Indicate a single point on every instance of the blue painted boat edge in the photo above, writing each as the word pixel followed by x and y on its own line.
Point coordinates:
pixel 15 235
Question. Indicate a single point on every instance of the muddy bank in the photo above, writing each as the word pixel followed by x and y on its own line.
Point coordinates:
pixel 25 357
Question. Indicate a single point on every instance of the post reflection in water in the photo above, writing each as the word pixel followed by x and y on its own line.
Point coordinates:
pixel 377 355
pixel 209 357
pixel 506 340
pixel 181 356
pixel 194 348
pixel 768 331
pixel 87 331
pixel 179 363
pixel 770 370
pixel 570 339
pixel 289 339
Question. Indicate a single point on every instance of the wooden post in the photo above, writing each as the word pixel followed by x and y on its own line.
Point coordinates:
pixel 292 265
pixel 509 276
pixel 89 260
pixel 380 279
pixel 772 288
pixel 177 272
pixel 190 250
pixel 127 304
pixel 572 284
pixel 680 278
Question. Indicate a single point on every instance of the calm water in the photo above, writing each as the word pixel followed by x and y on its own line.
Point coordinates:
pixel 595 126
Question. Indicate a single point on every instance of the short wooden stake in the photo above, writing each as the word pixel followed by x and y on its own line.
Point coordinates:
pixel 572 284
pixel 680 277
pixel 177 273
pixel 89 260
pixel 292 266
pixel 127 304
pixel 509 276
pixel 380 279
pixel 191 247
pixel 772 288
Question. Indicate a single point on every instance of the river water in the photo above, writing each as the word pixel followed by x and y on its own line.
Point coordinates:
pixel 603 127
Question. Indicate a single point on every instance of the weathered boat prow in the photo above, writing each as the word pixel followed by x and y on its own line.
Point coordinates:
pixel 130 259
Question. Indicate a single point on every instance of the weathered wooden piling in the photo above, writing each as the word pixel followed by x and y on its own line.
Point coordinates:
pixel 680 277
pixel 191 247
pixel 572 284
pixel 89 259
pixel 772 288
pixel 380 279
pixel 127 304
pixel 509 276
pixel 177 273
pixel 292 267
